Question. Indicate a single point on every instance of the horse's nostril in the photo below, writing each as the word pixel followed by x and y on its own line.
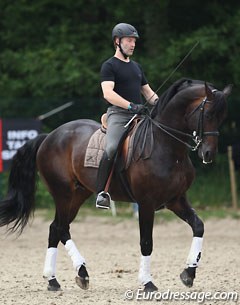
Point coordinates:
pixel 207 157
pixel 208 154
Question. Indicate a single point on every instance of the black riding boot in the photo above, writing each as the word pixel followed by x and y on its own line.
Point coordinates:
pixel 103 198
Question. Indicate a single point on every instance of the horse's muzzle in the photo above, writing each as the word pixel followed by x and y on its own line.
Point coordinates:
pixel 206 154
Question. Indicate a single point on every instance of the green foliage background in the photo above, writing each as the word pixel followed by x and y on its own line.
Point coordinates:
pixel 51 53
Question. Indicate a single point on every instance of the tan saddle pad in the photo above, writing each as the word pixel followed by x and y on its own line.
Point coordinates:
pixel 96 147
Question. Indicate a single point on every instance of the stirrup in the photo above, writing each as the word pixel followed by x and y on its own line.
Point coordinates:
pixel 103 200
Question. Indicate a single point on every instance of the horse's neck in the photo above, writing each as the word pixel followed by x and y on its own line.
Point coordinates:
pixel 174 112
pixel 173 116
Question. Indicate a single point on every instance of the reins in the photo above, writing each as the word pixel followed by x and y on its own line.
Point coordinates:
pixel 196 136
pixel 168 130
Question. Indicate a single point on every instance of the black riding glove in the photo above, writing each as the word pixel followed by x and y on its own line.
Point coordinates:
pixel 137 108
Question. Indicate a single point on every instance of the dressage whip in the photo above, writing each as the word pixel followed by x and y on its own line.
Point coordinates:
pixel 174 70
pixel 169 76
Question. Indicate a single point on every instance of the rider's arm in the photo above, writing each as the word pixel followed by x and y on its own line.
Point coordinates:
pixel 150 96
pixel 112 97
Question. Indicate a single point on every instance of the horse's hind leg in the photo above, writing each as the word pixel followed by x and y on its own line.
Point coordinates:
pixel 79 263
pixel 49 271
pixel 66 210
pixel 183 210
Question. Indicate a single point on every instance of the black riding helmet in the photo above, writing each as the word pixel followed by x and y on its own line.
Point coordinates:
pixel 123 30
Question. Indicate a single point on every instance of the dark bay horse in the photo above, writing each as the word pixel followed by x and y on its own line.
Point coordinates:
pixel 187 115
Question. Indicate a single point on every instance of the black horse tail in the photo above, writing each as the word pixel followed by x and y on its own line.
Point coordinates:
pixel 18 205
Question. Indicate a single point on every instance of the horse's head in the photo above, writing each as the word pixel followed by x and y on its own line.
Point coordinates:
pixel 205 116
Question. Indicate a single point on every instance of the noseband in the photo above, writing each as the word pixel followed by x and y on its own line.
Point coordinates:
pixel 197 135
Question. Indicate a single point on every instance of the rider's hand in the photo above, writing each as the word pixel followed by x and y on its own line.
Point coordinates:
pixel 137 108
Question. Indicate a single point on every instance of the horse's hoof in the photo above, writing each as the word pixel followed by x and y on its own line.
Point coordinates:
pixel 82 282
pixel 150 287
pixel 82 279
pixel 186 278
pixel 53 285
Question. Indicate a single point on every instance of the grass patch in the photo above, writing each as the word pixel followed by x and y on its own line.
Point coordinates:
pixel 124 212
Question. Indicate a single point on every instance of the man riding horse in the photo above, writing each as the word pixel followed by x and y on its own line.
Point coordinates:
pixel 123 83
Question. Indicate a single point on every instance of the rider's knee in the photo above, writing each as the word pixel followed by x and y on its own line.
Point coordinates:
pixel 111 151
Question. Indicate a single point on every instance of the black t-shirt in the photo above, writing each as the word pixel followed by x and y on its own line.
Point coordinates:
pixel 127 76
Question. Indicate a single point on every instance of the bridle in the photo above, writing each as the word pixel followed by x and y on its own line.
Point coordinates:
pixel 197 135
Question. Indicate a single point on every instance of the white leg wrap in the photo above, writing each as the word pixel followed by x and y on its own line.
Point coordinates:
pixel 144 275
pixel 49 270
pixel 195 252
pixel 73 252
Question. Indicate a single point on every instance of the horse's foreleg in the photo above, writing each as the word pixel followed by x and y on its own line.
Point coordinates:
pixel 188 274
pixel 146 219
pixel 188 214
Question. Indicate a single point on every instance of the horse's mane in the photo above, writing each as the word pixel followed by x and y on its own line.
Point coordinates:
pixel 168 95
pixel 177 86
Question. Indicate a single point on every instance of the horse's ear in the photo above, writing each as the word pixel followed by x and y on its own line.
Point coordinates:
pixel 227 90
pixel 209 93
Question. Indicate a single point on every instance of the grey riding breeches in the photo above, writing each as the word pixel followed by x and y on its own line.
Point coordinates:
pixel 116 119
